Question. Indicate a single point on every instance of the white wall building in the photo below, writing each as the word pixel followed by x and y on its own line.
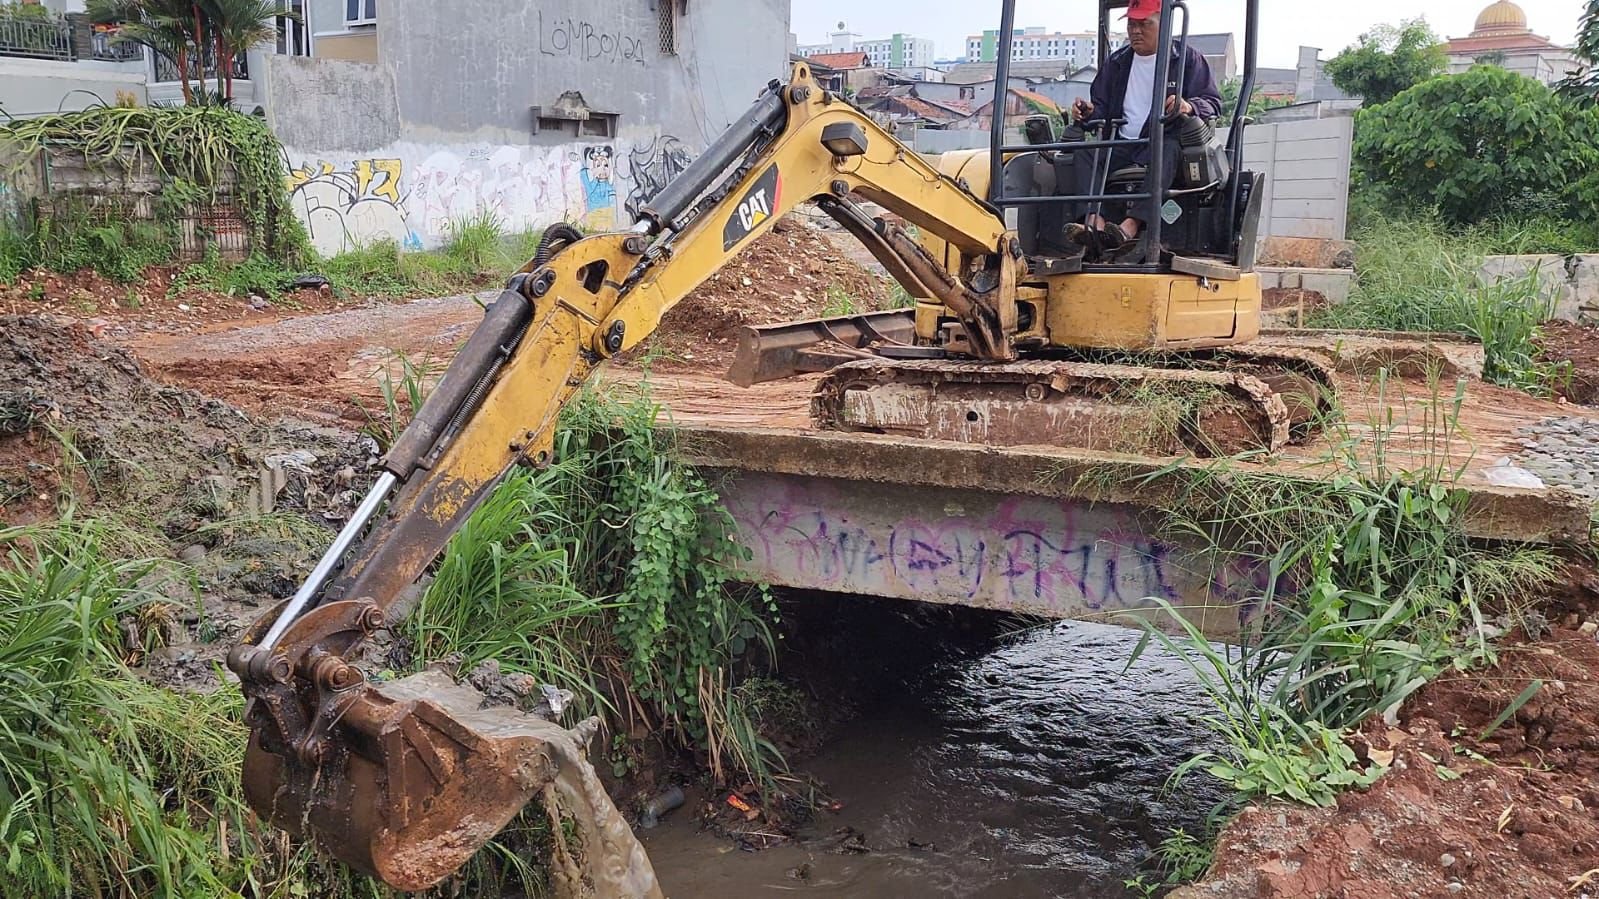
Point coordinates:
pixel 901 51
pixel 1080 48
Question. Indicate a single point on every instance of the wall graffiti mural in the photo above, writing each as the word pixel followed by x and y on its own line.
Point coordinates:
pixel 570 37
pixel 652 166
pixel 414 194
pixel 358 203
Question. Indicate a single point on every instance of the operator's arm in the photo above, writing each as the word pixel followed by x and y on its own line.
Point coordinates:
pixel 1199 86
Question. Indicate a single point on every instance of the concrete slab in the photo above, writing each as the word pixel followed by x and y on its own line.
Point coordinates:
pixel 1554 275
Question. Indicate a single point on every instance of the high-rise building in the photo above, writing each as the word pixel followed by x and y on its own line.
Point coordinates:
pixel 1079 48
pixel 902 51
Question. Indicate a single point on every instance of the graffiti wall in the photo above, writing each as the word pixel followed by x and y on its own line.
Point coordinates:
pixel 1048 557
pixel 414 194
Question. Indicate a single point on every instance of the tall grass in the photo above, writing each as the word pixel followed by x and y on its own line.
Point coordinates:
pixel 611 573
pixel 106 786
pixel 1371 589
pixel 1417 276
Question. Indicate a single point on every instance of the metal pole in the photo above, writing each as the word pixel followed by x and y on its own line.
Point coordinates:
pixel 1157 133
pixel 1007 43
pixel 330 560
pixel 1246 93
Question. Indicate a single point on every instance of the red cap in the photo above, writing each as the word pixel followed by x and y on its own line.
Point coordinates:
pixel 1142 9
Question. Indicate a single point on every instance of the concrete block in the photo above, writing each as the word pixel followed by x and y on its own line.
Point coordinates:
pixel 1553 274
pixel 1585 284
pixel 1332 283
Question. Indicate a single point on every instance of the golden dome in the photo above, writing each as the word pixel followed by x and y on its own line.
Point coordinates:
pixel 1502 17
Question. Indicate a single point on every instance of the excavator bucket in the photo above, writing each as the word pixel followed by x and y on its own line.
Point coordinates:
pixel 415 776
pixel 773 352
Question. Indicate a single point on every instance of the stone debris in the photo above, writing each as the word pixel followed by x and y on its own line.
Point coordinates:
pixel 1563 452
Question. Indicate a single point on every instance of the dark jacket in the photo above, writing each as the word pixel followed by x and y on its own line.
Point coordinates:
pixel 1199 86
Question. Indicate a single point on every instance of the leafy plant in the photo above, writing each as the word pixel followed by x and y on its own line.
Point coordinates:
pixel 1180 859
pixel 1418 275
pixel 1370 590
pixel 474 240
pixel 402 399
pixel 1389 60
pixel 1583 85
pixel 839 303
pixel 1481 145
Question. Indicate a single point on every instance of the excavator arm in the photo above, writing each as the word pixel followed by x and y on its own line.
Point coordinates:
pixel 406 781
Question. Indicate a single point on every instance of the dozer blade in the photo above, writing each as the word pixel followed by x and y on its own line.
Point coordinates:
pixel 774 352
pixel 415 776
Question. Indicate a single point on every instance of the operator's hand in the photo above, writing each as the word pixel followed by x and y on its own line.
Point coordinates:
pixel 1180 106
pixel 1082 109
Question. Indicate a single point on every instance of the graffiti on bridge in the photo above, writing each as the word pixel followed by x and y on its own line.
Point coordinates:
pixel 1027 555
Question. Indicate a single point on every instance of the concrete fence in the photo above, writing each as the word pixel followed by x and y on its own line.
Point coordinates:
pixel 1570 284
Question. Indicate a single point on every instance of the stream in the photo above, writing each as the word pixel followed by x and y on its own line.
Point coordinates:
pixel 1031 766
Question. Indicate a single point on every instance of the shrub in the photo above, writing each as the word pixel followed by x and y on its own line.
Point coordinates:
pixel 1482 145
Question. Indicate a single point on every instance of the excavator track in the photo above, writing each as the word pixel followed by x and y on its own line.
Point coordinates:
pixel 1140 409
pixel 1304 379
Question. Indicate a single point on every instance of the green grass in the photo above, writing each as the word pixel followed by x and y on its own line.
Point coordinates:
pixel 609 573
pixel 1372 590
pixel 1417 275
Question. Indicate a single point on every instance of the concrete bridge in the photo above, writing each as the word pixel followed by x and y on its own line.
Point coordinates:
pixel 1036 531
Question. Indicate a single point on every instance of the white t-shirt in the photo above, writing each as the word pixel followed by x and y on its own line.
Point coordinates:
pixel 1140 92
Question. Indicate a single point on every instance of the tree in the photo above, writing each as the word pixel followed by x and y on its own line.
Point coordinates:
pixel 1483 144
pixel 165 26
pixel 1389 60
pixel 238 25
pixel 1584 84
pixel 1232 87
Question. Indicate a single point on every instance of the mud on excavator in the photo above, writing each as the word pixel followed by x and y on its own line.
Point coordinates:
pixel 1012 339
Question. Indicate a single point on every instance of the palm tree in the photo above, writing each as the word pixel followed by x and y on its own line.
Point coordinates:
pixel 167 27
pixel 238 25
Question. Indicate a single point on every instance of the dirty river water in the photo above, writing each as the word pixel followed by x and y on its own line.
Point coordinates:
pixel 1031 766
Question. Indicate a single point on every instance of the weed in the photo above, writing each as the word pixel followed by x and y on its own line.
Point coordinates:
pixel 1180 859
pixel 1368 590
pixel 254 275
pixel 839 303
pixel 610 573
pixel 1415 276
pixel 402 399
pixel 474 241
pixel 899 297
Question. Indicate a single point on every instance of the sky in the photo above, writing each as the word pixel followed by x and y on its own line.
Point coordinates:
pixel 1285 24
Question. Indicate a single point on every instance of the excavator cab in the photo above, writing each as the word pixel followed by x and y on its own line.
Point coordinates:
pixel 1206 221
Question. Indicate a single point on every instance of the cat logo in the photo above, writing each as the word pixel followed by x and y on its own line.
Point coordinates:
pixel 757 207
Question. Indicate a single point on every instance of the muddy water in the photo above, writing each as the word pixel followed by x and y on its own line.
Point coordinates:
pixel 1033 767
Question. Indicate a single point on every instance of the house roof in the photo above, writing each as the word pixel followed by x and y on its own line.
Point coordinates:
pixel 1032 97
pixel 1466 46
pixel 840 60
pixel 1211 44
pixel 1034 69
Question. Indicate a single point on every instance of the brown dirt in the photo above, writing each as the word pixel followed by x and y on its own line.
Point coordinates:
pixel 1578 345
pixel 794 272
pixel 149 302
pixel 1511 814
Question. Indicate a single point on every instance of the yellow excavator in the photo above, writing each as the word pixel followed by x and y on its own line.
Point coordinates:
pixel 1011 339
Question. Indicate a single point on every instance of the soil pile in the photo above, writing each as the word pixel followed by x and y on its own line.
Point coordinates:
pixel 1577 345
pixel 792 273
pixel 1468 809
pixel 244 504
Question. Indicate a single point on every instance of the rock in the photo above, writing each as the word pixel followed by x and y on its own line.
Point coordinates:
pixel 1589 628
pixel 192 555
pixel 1447 860
pixel 1456 887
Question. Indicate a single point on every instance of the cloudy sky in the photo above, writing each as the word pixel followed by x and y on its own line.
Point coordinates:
pixel 1285 24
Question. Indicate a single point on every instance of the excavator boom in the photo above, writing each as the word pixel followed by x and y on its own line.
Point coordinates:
pixel 406 781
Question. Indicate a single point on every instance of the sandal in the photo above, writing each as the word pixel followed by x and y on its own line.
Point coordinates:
pixel 1113 238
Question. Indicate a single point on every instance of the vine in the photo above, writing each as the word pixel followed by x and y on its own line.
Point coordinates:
pixel 201 153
